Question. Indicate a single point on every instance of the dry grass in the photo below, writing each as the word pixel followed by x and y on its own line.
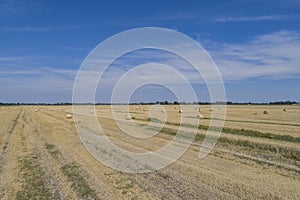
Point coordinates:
pixel 256 157
pixel 33 186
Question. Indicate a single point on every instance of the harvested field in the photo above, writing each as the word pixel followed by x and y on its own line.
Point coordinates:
pixel 256 157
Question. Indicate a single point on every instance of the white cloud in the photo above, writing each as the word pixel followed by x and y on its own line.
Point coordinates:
pixel 44 28
pixel 272 56
pixel 9 6
pixel 252 18
pixel 12 7
pixel 43 84
pixel 13 58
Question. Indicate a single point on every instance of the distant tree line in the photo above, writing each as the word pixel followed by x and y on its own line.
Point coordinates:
pixel 159 102
pixel 37 104
pixel 283 103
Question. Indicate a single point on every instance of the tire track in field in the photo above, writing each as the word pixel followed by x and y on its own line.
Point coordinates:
pixel 57 184
pixel 7 120
pixel 170 187
pixel 10 180
pixel 10 132
pixel 114 184
pixel 191 182
pixel 64 179
pixel 173 183
pixel 24 176
pixel 187 178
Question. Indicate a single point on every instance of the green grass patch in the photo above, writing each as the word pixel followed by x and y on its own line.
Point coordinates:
pixel 285 152
pixel 134 112
pixel 79 184
pixel 163 175
pixel 153 120
pixel 235 131
pixel 25 119
pixel 124 185
pixel 15 122
pixel 262 162
pixel 52 150
pixel 33 186
pixel 74 174
pixel 255 122
pixel 49 146
pixel 5 146
pixel 254 133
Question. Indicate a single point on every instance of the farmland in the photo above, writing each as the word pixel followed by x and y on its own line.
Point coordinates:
pixel 256 157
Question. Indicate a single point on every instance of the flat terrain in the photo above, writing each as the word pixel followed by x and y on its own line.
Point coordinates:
pixel 256 157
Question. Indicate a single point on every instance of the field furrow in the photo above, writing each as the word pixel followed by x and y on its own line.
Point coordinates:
pixel 42 157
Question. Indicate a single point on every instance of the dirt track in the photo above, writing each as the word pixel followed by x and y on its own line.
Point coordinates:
pixel 42 157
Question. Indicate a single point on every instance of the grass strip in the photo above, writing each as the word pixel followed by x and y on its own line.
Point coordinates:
pixel 33 186
pixel 74 174
pixel 15 122
pixel 285 152
pixel 233 131
pixel 258 122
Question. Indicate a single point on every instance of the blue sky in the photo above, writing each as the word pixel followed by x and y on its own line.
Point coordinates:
pixel 255 44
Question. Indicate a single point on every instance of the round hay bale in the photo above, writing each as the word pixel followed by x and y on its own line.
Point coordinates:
pixel 92 112
pixel 284 110
pixel 180 111
pixel 36 110
pixel 255 114
pixel 128 117
pixel 69 116
pixel 163 111
pixel 265 112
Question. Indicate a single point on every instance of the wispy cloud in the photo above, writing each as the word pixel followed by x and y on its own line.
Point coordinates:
pixel 26 29
pixel 44 84
pixel 8 7
pixel 249 18
pixel 45 28
pixel 42 72
pixel 271 56
pixel 176 17
pixel 72 48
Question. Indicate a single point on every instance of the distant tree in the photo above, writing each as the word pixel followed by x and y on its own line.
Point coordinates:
pixel 282 103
